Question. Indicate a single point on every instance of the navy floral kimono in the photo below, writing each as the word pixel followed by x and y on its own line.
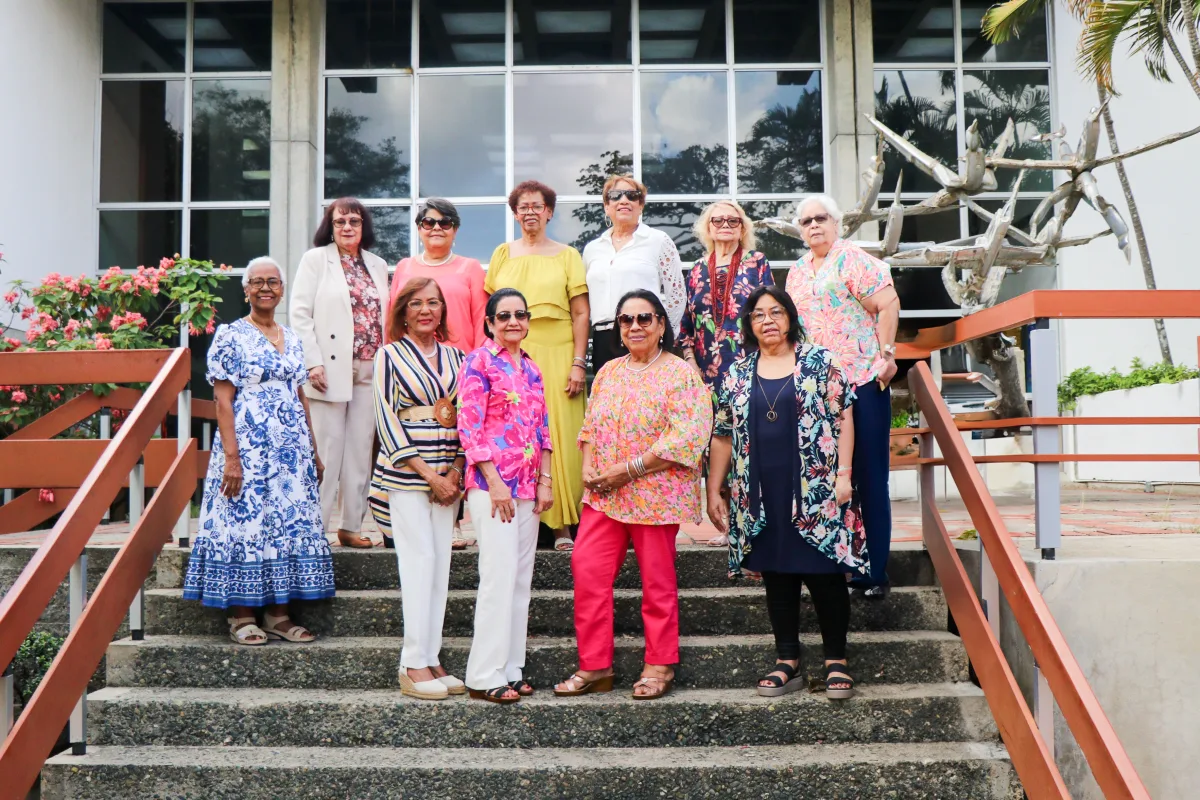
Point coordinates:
pixel 822 394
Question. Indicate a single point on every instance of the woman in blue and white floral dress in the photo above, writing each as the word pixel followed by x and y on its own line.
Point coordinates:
pixel 260 542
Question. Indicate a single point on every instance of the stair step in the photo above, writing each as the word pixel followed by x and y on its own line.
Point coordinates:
pixel 376 612
pixel 696 568
pixel 710 662
pixel 943 771
pixel 943 712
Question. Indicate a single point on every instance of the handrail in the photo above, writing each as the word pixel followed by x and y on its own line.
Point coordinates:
pixel 1110 765
pixel 41 368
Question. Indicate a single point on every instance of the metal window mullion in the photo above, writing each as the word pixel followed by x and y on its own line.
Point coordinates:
pixel 730 102
pixel 414 170
pixel 510 141
pixel 825 154
pixel 96 156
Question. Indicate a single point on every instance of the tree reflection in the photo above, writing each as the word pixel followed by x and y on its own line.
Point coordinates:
pixel 992 97
pixel 927 122
pixel 354 168
pixel 231 136
pixel 784 151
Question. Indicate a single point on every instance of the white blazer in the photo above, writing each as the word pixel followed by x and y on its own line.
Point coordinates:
pixel 320 313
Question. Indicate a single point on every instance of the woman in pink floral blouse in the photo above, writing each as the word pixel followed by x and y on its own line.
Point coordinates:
pixel 648 422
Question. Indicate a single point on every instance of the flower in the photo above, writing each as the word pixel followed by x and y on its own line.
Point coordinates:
pixel 103 342
pixel 129 318
pixel 166 263
pixel 71 329
pixel 11 297
pixel 11 342
pixel 52 343
pixel 103 313
pixel 127 287
pixel 19 397
pixel 210 327
pixel 46 495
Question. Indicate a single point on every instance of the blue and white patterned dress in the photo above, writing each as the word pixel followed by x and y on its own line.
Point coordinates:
pixel 267 545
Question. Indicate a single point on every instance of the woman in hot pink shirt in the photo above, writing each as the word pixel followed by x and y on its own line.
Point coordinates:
pixel 460 278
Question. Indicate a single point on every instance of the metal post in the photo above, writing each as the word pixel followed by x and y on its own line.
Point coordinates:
pixel 106 433
pixel 206 435
pixel 183 524
pixel 989 590
pixel 1043 707
pixel 6 710
pixel 8 495
pixel 77 595
pixel 1043 361
pixel 137 501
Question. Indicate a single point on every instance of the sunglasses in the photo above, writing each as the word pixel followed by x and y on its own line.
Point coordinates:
pixel 820 219
pixel 632 195
pixel 505 316
pixel 726 222
pixel 429 223
pixel 643 320
pixel 349 222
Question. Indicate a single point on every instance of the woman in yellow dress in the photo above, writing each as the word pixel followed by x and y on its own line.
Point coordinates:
pixel 552 278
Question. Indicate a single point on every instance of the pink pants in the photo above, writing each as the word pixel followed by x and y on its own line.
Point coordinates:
pixel 600 549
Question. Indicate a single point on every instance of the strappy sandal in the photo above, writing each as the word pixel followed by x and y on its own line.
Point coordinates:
pixel 720 540
pixel 843 676
pixel 654 681
pixel 779 687
pixel 579 686
pixel 687 539
pixel 248 634
pixel 496 695
pixel 522 686
pixel 296 633
pixel 564 543
pixel 461 544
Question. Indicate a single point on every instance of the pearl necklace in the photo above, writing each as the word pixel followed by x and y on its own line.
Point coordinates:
pixel 445 260
pixel 649 364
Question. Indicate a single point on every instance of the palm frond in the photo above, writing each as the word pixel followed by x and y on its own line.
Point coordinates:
pixel 1005 20
pixel 1105 24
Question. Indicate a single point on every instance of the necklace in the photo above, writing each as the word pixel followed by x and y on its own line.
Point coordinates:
pixel 649 364
pixel 421 350
pixel 722 293
pixel 771 415
pixel 445 260
pixel 263 331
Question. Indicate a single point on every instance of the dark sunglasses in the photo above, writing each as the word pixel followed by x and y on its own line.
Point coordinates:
pixel 820 219
pixel 429 223
pixel 632 195
pixel 505 316
pixel 643 320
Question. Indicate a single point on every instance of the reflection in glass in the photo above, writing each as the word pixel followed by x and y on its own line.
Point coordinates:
pixel 483 229
pixel 232 36
pixel 992 97
pixel 462 33
pixel 231 140
pixel 769 32
pixel 1029 46
pixel 577 224
pixel 229 236
pixel 913 30
pixel 780 147
pixel 233 305
pixel 918 104
pixel 367 136
pixel 571 32
pixel 141 141
pixel 684 132
pixel 776 246
pixel 462 135
pixel 361 34
pixel 144 37
pixel 676 220
pixel 392 231
pixel 129 239
pixel 918 287
pixel 573 129
pixel 687 32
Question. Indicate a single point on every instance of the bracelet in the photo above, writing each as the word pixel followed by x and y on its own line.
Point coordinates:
pixel 454 469
pixel 639 467
pixel 580 360
pixel 843 470
pixel 629 469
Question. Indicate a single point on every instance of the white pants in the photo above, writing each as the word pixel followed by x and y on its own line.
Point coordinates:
pixel 506 551
pixel 345 434
pixel 422 531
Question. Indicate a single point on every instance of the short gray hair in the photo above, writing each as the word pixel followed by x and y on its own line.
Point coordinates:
pixel 828 203
pixel 258 262
pixel 443 207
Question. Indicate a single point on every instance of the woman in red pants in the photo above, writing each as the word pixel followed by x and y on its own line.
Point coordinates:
pixel 648 421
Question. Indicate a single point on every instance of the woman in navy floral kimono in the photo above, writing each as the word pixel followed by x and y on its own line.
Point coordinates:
pixel 785 434
pixel 260 541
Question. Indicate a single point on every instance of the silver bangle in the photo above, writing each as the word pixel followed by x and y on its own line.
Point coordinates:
pixel 629 469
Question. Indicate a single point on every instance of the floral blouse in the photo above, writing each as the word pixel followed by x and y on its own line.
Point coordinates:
pixel 666 411
pixel 830 305
pixel 718 343
pixel 822 393
pixel 502 418
pixel 365 307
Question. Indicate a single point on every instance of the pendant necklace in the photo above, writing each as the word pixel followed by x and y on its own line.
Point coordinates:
pixel 771 414
pixel 263 331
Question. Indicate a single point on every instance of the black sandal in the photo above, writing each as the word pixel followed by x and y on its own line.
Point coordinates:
pixel 522 687
pixel 843 676
pixel 779 687
pixel 495 695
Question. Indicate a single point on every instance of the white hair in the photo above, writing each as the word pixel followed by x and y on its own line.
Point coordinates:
pixel 259 262
pixel 828 203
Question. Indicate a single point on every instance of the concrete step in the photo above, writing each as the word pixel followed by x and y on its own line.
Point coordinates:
pixel 376 612
pixel 696 567
pixel 942 712
pixel 944 771
pixel 708 662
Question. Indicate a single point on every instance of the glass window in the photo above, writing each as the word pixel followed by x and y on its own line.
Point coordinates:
pixel 676 220
pixel 685 132
pixel 573 129
pixel 1029 46
pixel 688 32
pixel 462 135
pixel 231 36
pixel 919 104
pixel 129 239
pixel 462 33
pixel 141 141
pixel 921 288
pixel 229 236
pixel 233 305
pixel 780 141
pixel 770 31
pixel 992 97
pixel 571 32
pixel 366 34
pixel 484 227
pixel 776 246
pixel 144 37
pixel 392 229
pixel 231 140
pixel 976 224
pixel 367 136
pixel 577 224
pixel 913 30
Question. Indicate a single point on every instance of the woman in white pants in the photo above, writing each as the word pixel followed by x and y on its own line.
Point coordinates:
pixel 505 434
pixel 337 309
pixel 420 466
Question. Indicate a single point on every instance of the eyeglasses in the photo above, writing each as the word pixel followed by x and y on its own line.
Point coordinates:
pixel 505 316
pixel 777 313
pixel 261 283
pixel 726 222
pixel 349 222
pixel 820 219
pixel 632 195
pixel 429 223
pixel 535 208
pixel 417 305
pixel 643 320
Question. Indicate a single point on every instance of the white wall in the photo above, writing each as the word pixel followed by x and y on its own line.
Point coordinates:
pixel 49 63
pixel 1164 185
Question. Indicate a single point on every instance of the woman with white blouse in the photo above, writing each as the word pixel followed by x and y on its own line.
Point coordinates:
pixel 629 255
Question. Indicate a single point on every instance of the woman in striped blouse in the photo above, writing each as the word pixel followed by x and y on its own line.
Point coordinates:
pixel 420 467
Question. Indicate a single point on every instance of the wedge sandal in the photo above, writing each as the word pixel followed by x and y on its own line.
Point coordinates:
pixel 422 690
pixel 838 673
pixel 660 687
pixel 778 687
pixel 579 686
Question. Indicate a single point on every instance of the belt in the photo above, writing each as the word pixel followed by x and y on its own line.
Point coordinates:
pixel 417 414
pixel 604 326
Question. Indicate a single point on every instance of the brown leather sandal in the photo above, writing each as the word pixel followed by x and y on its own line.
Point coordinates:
pixel 654 681
pixel 494 695
pixel 579 686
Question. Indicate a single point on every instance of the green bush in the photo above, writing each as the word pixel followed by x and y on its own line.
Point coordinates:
pixel 1084 381
pixel 32 661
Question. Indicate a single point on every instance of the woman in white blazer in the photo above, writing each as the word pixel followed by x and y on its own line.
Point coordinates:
pixel 337 309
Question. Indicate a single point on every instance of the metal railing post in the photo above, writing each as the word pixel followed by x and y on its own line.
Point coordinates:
pixel 1043 707
pixel 8 495
pixel 184 432
pixel 137 502
pixel 1047 490
pixel 106 433
pixel 206 435
pixel 77 595
pixel 8 690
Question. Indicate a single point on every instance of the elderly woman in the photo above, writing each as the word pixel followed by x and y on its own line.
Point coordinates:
pixel 551 276
pixel 420 466
pixel 785 428
pixel 648 423
pixel 259 542
pixel 337 309
pixel 629 255
pixel 848 304
pixel 505 430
